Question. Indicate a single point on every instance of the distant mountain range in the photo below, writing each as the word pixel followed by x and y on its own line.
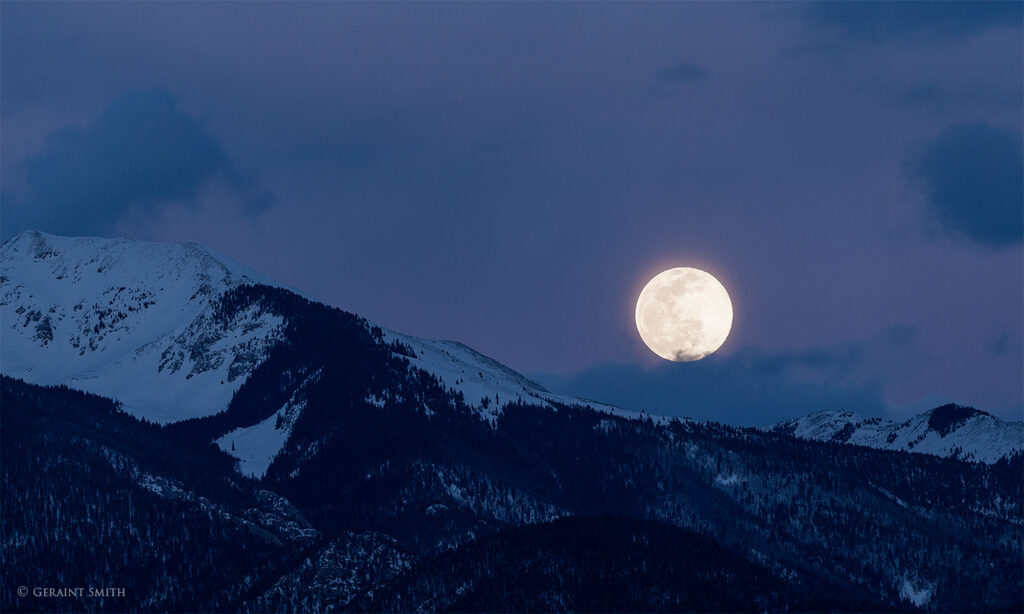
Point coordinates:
pixel 951 430
pixel 215 441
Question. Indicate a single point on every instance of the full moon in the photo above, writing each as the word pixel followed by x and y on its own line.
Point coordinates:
pixel 683 314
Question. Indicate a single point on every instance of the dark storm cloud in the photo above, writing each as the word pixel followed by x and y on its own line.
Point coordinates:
pixel 887 21
pixel 751 387
pixel 748 388
pixel 972 177
pixel 142 152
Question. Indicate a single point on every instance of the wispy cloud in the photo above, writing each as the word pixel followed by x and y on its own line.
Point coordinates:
pixel 682 73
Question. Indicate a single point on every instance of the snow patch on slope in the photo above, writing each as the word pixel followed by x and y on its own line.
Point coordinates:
pixel 915 592
pixel 258 445
pixel 255 446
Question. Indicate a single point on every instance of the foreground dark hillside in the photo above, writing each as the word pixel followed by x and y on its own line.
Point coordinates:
pixel 604 564
pixel 95 498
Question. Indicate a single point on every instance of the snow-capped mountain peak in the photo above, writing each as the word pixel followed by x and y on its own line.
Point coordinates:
pixel 950 430
pixel 128 319
pixel 147 324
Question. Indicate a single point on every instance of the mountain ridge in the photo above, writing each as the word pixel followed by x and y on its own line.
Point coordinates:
pixel 144 323
pixel 952 430
pixel 188 361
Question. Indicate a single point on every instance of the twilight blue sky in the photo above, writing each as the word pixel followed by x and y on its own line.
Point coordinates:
pixel 510 175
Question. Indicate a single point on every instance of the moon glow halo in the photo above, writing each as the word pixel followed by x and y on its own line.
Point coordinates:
pixel 684 314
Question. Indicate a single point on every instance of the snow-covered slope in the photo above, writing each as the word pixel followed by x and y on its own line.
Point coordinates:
pixel 486 384
pixel 950 430
pixel 129 320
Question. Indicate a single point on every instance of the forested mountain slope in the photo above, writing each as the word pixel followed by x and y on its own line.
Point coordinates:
pixel 349 455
